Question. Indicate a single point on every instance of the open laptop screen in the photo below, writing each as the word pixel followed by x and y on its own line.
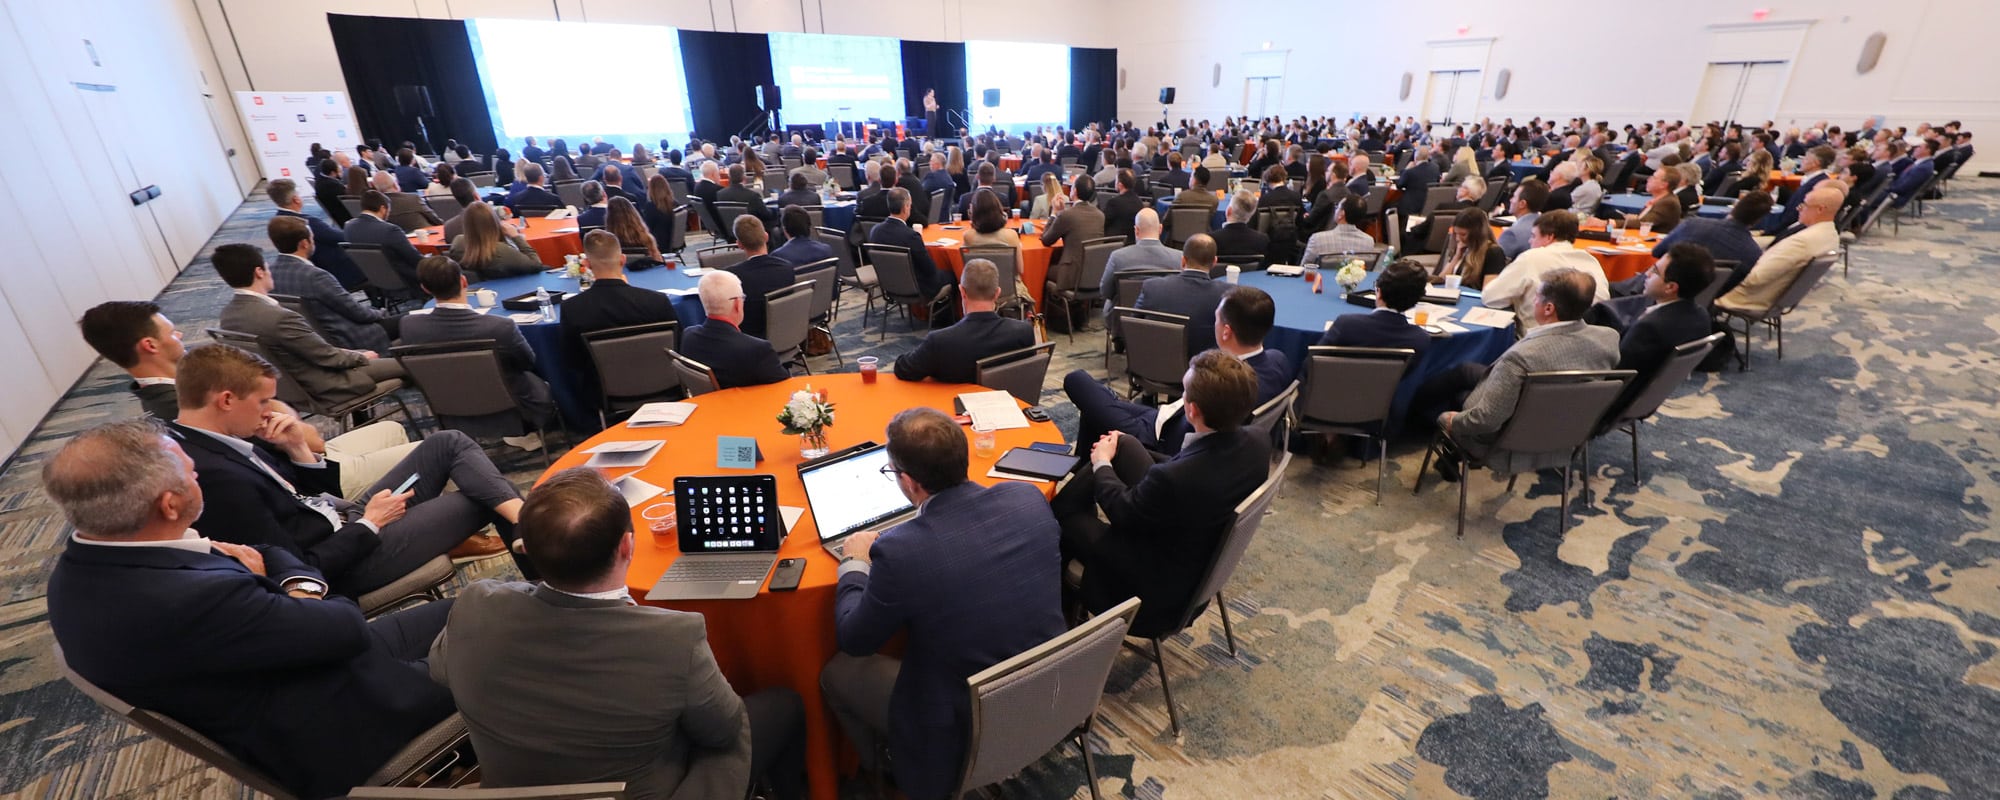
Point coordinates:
pixel 726 514
pixel 848 492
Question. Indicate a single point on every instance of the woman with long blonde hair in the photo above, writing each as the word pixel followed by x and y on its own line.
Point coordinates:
pixel 1050 200
pixel 623 221
pixel 487 250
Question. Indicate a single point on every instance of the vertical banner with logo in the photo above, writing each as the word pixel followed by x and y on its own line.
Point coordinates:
pixel 284 125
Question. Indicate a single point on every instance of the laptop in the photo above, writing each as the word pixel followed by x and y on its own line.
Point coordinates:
pixel 848 492
pixel 730 531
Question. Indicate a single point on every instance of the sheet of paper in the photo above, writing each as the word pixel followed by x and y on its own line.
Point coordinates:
pixel 1448 326
pixel 638 446
pixel 1435 311
pixel 995 409
pixel 618 455
pixel 1488 317
pixel 791 515
pixel 660 414
pixel 942 243
pixel 561 213
pixel 636 491
pixel 525 317
pixel 570 229
pixel 695 272
pixel 678 292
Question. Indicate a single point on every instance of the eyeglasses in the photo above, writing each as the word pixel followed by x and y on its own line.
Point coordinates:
pixel 889 471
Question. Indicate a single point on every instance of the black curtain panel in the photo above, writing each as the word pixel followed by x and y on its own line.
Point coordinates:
pixel 939 66
pixel 723 73
pixel 379 54
pixel 1093 85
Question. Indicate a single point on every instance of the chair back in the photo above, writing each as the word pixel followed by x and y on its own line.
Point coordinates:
pixel 1558 411
pixel 1351 388
pixel 1156 351
pixel 1657 387
pixel 1805 281
pixel 1130 281
pixel 1725 268
pixel 352 204
pixel 775 180
pixel 1275 415
pixel 1392 230
pixel 939 207
pixel 627 365
pixel 817 214
pixel 1185 221
pixel 726 213
pixel 677 234
pixel 824 275
pixel 1494 191
pixel 1007 260
pixel 1027 705
pixel 1242 527
pixel 1437 196
pixel 375 268
pixel 695 377
pixel 567 791
pixel 682 187
pixel 787 318
pixel 1020 372
pixel 1378 196
pixel 843 252
pixel 445 206
pixel 863 228
pixel 1251 185
pixel 176 735
pixel 1281 222
pixel 1440 234
pixel 1096 258
pixel 289 389
pixel 571 193
pixel 459 379
pixel 720 256
pixel 1218 179
pixel 896 273
pixel 843 175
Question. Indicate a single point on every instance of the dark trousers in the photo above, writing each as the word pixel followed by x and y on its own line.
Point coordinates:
pixel 1083 530
pixel 408 634
pixel 1446 391
pixel 436 521
pixel 1098 412
pixel 777 741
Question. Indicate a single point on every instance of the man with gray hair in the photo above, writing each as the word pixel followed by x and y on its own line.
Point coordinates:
pixel 737 358
pixel 950 355
pixel 1145 253
pixel 204 631
pixel 1236 237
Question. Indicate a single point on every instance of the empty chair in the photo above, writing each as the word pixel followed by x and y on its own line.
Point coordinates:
pixel 706 214
pixel 571 193
pixel 629 371
pixel 426 582
pixel 1437 196
pixel 843 176
pixel 1648 396
pixel 1020 372
pixel 1378 196
pixel 940 206
pixel 817 214
pixel 1348 392
pixel 898 280
pixel 825 277
pixel 1183 222
pixel 1246 262
pixel 1251 185
pixel 1557 412
pixel 694 376
pixel 295 395
pixel 725 216
pixel 1495 190
pixel 720 256
pixel 568 791
pixel 677 234
pixel 386 286
pixel 1218 180
pixel 1156 355
pixel 774 179
pixel 466 387
pixel 787 320
pixel 1084 286
pixel 1773 317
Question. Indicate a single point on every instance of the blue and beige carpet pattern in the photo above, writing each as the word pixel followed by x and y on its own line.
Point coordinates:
pixel 1801 600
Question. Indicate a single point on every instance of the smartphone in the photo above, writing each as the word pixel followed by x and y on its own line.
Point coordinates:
pixel 1058 448
pixel 1037 414
pixel 786 577
pixel 412 481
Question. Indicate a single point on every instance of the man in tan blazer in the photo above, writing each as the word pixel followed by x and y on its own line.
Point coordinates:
pixel 1773 273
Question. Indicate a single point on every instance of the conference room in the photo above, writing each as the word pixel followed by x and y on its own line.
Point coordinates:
pixel 816 400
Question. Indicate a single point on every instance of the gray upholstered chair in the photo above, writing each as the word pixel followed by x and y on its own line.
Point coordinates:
pixel 424 583
pixel 694 376
pixel 1773 316
pixel 386 286
pixel 1648 396
pixel 1183 222
pixel 1349 391
pixel 466 387
pixel 1274 418
pixel 720 256
pixel 897 277
pixel 1156 353
pixel 629 372
pixel 787 320
pixel 1020 372
pixel 825 277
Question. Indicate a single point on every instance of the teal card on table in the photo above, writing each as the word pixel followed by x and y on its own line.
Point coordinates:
pixel 737 452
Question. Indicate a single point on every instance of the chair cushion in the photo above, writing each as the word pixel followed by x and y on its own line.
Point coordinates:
pixel 866 276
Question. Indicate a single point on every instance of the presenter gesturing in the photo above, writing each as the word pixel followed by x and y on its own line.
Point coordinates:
pixel 931 113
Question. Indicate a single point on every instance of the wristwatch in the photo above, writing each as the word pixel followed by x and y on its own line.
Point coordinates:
pixel 312 586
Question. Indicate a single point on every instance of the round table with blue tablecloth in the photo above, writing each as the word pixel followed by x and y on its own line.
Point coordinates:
pixel 1632 203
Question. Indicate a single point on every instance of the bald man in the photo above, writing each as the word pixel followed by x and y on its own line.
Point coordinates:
pixel 1773 273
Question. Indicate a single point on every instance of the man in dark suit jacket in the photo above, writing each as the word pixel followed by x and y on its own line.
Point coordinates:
pixel 1167 516
pixel 1815 170
pixel 1245 315
pixel 1191 293
pixel 455 321
pixel 326 239
pixel 1362 179
pixel 284 495
pixel 1399 289
pixel 327 189
pixel 372 227
pixel 737 358
pixel 1236 237
pixel 1122 209
pixel 596 206
pixel 1912 178
pixel 677 729
pixel 241 644
pixel 331 309
pixel 533 152
pixel 897 231
pixel 972 580
pixel 1416 182
pixel 610 302
pixel 762 273
pixel 739 191
pixel 920 197
pixel 1077 223
pixel 534 198
pixel 949 355
pixel 137 338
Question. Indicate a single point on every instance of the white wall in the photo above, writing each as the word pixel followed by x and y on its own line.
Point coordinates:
pixel 1630 65
pixel 73 238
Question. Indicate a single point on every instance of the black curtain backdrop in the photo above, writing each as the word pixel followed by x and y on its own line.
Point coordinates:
pixel 1093 85
pixel 723 73
pixel 934 65
pixel 377 54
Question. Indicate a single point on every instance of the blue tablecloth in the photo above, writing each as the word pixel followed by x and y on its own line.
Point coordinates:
pixel 1632 203
pixel 1524 170
pixel 1302 318
pixel 574 390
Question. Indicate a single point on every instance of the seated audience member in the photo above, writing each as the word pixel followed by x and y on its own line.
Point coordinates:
pixel 466 194
pixel 1242 319
pixel 1077 221
pixel 800 247
pixel 737 358
pixel 933 579
pixel 326 252
pixel 454 321
pixel 329 374
pixel 407 210
pixel 1236 237
pixel 241 644
pixel 1774 271
pixel 739 191
pixel 1727 239
pixel 331 309
pixel 327 189
pixel 624 221
pixel 1526 206
pixel 490 250
pixel 137 338
pixel 1558 341
pixel 936 179
pixel 1164 517
pixel 677 728
pixel 610 302
pixel 761 273
pixel 1146 252
pixel 1049 200
pixel 1672 319
pixel 596 204
pixel 1192 292
pixel 1470 251
pixel 282 494
pixel 809 169
pixel 988 174
pixel 1663 208
pixel 1197 193
pixel 439 183
pixel 1563 183
pixel 949 355
pixel 1552 248
pixel 1122 210
pixel 410 177
pixel 612 176
pixel 1344 236
pixel 536 197
pixel 1467 195
pixel 800 193
pixel 1399 289
pixel 1813 165
pixel 371 226
pixel 895 231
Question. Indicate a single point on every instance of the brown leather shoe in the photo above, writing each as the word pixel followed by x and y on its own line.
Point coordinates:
pixel 477 547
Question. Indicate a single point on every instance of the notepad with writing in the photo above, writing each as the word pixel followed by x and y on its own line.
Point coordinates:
pixel 994 410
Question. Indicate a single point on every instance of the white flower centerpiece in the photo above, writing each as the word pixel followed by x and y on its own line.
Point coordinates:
pixel 806 415
pixel 1351 273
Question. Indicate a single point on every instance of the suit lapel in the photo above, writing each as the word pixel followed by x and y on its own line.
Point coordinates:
pixel 189 436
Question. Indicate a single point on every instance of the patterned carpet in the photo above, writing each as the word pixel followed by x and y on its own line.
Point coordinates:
pixel 1802 600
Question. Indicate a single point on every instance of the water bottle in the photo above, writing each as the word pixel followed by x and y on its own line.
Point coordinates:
pixel 542 303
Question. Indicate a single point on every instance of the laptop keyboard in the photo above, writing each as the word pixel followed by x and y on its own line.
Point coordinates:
pixel 716 569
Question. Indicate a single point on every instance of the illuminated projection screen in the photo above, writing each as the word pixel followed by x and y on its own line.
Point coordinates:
pixel 633 90
pixel 820 75
pixel 1033 80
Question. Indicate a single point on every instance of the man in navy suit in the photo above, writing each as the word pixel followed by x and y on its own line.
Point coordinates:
pixel 596 206
pixel 1912 178
pixel 1166 515
pixel 534 195
pixel 373 227
pixel 762 273
pixel 453 320
pixel 1814 165
pixel 1190 293
pixel 1673 320
pixel 950 355
pixel 973 579
pixel 326 253
pixel 532 152
pixel 737 358
pixel 896 231
pixel 1400 288
pixel 242 644
pixel 1242 319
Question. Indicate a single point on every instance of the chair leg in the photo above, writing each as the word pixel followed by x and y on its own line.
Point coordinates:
pixel 1381 466
pixel 1510 481
pixel 1427 467
pixel 1562 510
pixel 1633 429
pixel 1173 714
pixel 1089 769
pixel 1779 326
pixel 1587 501
pixel 548 460
pixel 1228 635
pixel 1069 313
pixel 1463 479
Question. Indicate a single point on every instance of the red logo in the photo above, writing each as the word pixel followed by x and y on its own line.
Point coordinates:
pixel 285 171
pixel 258 99
pixel 272 136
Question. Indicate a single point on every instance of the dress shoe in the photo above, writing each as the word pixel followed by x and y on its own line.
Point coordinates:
pixel 530 442
pixel 476 548
pixel 1447 468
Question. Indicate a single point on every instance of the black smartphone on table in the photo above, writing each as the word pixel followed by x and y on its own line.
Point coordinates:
pixel 786 577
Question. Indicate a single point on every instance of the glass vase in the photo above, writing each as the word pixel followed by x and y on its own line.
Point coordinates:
pixel 812 443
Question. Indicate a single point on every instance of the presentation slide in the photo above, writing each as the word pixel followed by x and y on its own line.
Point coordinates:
pixel 633 90
pixel 826 77
pixel 1033 80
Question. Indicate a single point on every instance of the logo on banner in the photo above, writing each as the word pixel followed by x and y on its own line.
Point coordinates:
pixel 302 117
pixel 285 171
pixel 340 133
pixel 257 98
pixel 329 99
pixel 271 136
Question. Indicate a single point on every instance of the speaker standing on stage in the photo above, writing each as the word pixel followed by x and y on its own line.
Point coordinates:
pixel 930 113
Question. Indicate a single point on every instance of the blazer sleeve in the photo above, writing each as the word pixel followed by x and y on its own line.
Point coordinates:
pixel 255 628
pixel 405 254
pixel 514 349
pixel 326 289
pixel 1126 506
pixel 917 364
pixel 1053 232
pixel 714 715
pixel 768 369
pixel 870 607
pixel 1492 402
pixel 1641 346
pixel 295 335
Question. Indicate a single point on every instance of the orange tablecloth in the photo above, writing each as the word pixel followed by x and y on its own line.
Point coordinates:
pixel 1035 256
pixel 1620 265
pixel 782 638
pixel 552 239
pixel 1789 181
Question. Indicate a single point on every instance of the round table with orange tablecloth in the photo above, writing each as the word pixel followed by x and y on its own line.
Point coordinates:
pixel 552 239
pixel 1631 255
pixel 781 638
pixel 945 241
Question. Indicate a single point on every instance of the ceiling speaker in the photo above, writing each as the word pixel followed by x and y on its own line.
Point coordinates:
pixel 1500 83
pixel 1404 93
pixel 1871 52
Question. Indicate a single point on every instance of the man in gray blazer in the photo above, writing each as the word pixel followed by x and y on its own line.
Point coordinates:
pixel 455 321
pixel 371 226
pixel 331 308
pixel 570 681
pixel 329 374
pixel 1079 222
